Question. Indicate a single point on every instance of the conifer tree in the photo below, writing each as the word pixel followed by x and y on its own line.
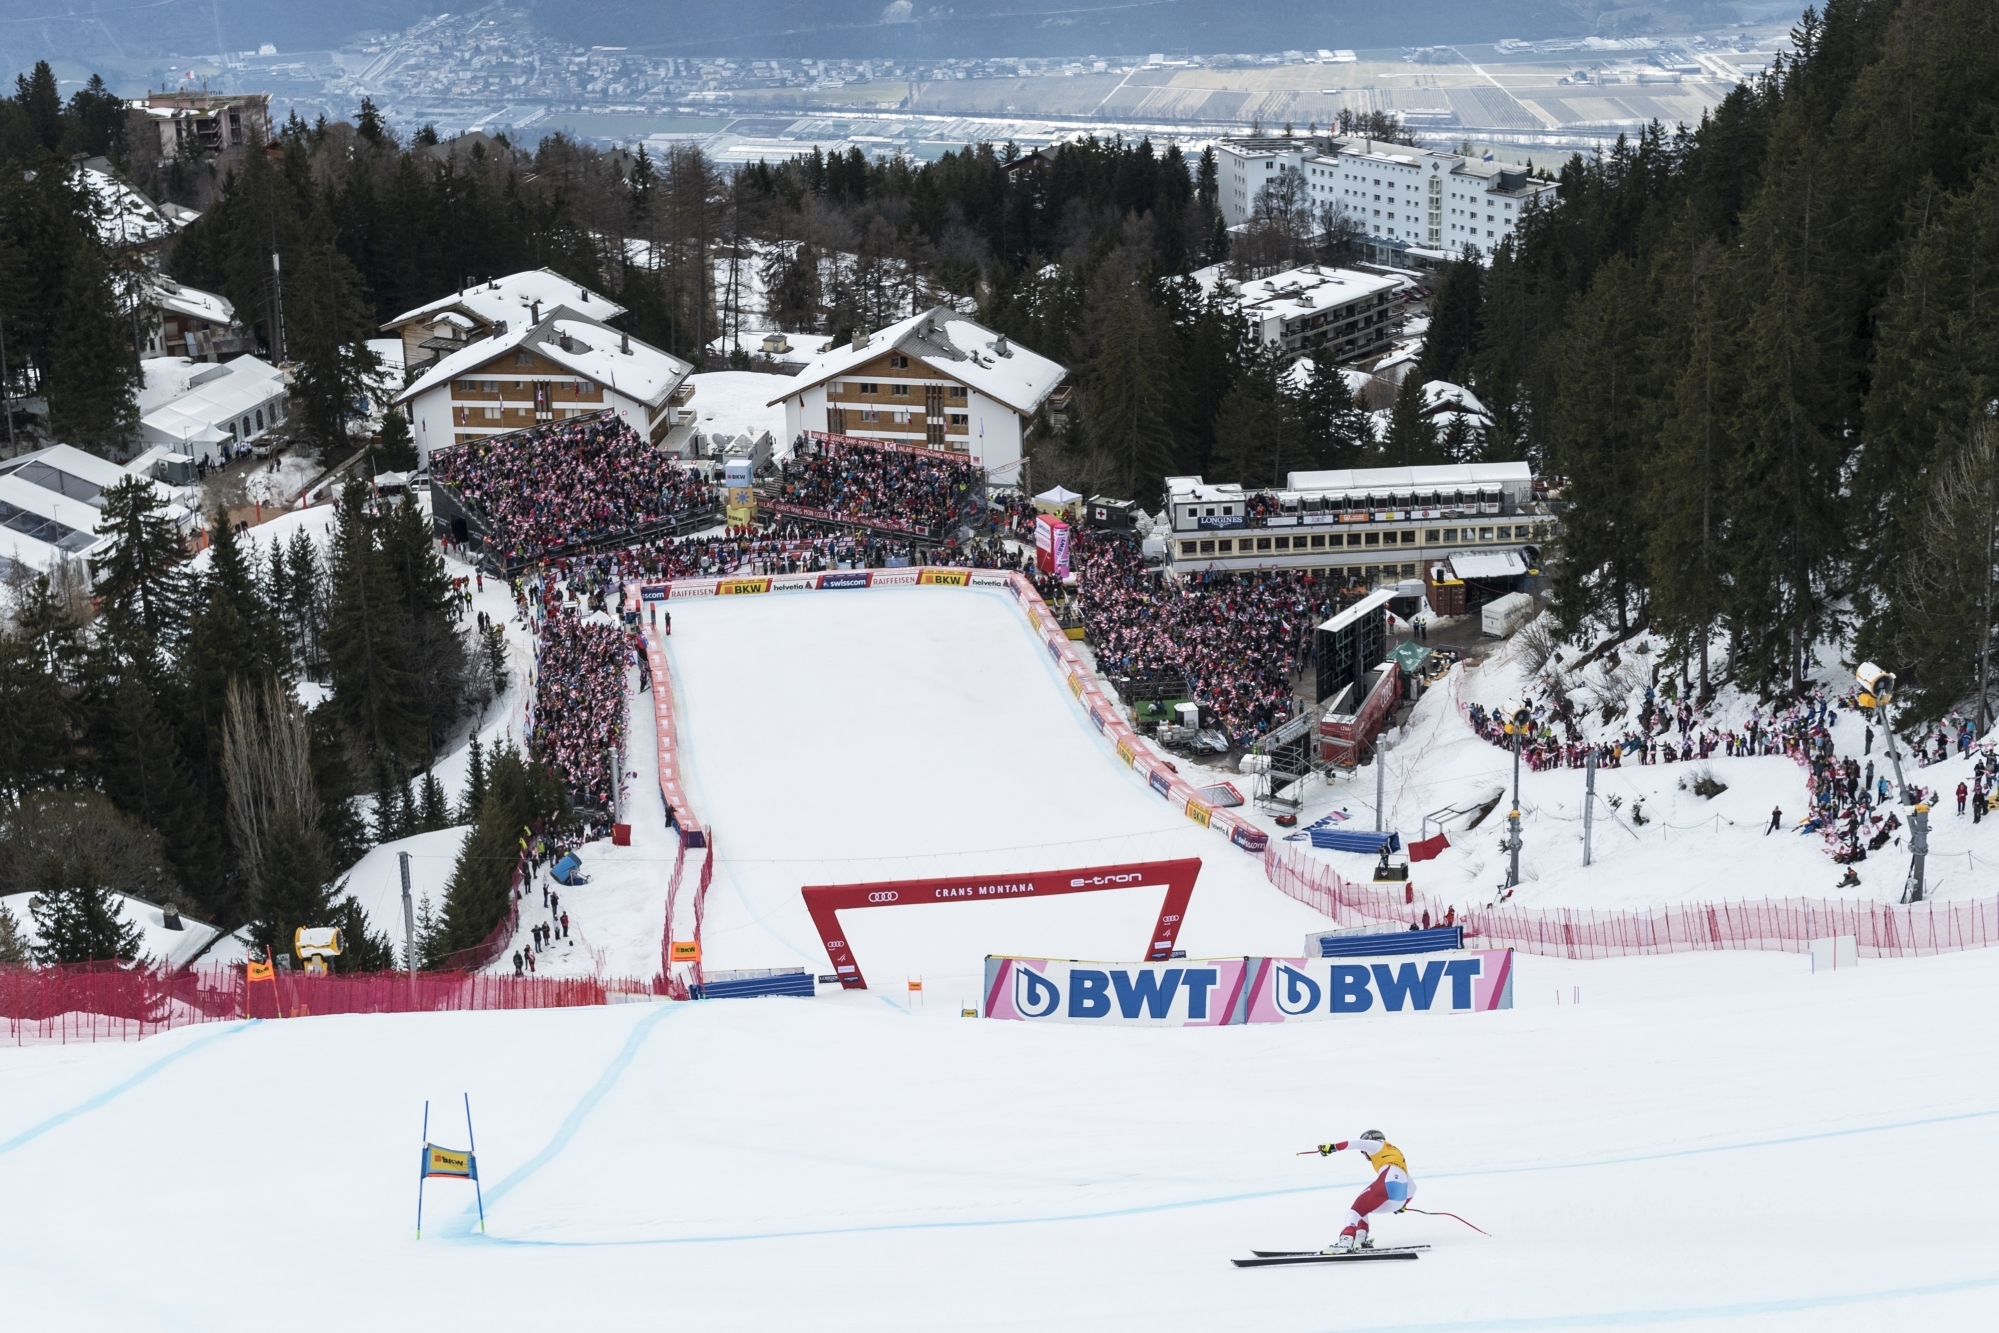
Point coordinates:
pixel 13 944
pixel 367 629
pixel 1335 432
pixel 1256 436
pixel 143 577
pixel 395 451
pixel 1411 439
pixel 475 781
pixel 1127 398
pixel 517 796
pixel 77 919
pixel 293 876
pixel 93 375
pixel 433 812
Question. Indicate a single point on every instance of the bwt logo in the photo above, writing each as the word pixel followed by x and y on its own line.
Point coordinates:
pixel 886 896
pixel 1351 988
pixel 1079 882
pixel 1131 993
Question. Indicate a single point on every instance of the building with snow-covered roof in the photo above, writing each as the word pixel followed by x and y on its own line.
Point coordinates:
pixel 191 323
pixel 1359 525
pixel 1413 206
pixel 205 409
pixel 939 380
pixel 447 325
pixel 50 501
pixel 564 365
pixel 1337 312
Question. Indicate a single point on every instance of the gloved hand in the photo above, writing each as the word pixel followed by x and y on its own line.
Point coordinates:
pixel 1328 1149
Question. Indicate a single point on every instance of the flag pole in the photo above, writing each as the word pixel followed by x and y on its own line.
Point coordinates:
pixel 471 1151
pixel 423 1170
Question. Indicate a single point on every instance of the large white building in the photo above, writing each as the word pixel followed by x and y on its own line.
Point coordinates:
pixel 1414 206
pixel 937 380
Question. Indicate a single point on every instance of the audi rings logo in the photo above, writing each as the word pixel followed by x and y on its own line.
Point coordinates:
pixel 887 896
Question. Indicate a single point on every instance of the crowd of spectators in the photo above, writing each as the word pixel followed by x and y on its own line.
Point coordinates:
pixel 1240 639
pixel 1849 798
pixel 858 483
pixel 579 698
pixel 569 484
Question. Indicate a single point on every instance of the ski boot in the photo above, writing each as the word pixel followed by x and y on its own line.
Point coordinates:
pixel 1346 1244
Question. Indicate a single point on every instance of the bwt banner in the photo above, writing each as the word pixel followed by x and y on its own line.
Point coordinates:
pixel 1215 992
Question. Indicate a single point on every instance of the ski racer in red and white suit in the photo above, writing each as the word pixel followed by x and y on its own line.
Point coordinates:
pixel 1392 1186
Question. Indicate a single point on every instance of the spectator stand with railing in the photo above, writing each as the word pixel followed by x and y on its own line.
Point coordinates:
pixel 947 485
pixel 463 520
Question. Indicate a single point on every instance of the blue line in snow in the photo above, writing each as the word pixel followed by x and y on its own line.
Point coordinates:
pixel 1685 1314
pixel 1178 1205
pixel 89 1104
pixel 566 1131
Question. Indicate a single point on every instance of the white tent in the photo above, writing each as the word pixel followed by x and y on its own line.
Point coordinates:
pixel 1059 498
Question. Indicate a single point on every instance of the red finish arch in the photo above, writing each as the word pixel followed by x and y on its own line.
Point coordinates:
pixel 825 901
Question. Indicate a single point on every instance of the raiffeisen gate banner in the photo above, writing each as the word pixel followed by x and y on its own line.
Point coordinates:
pixel 1216 992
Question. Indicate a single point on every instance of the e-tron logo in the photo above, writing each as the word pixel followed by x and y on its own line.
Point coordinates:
pixel 1034 995
pixel 1081 880
pixel 886 896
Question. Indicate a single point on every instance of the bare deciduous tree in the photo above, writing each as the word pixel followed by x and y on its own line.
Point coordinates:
pixel 267 762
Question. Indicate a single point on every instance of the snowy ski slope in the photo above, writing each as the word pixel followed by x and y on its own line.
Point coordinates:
pixel 1720 1141
pixel 897 733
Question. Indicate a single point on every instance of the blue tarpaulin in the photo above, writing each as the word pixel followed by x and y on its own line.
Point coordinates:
pixel 1435 940
pixel 1355 840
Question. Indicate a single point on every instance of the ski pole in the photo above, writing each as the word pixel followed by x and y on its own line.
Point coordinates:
pixel 1428 1213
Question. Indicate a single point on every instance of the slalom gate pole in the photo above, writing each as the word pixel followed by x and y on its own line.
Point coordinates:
pixel 1453 1216
pixel 423 1172
pixel 471 1151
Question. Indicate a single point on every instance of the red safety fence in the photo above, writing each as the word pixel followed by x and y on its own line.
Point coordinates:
pixel 1881 930
pixel 105 1002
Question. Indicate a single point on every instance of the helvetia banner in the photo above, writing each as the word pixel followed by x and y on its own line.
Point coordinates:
pixel 1214 992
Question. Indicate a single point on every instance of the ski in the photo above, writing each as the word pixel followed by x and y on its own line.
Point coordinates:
pixel 1267 1259
pixel 1293 1254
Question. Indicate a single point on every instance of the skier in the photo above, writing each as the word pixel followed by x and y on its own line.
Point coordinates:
pixel 1391 1185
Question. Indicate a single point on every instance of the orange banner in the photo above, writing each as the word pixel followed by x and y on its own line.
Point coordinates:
pixel 686 951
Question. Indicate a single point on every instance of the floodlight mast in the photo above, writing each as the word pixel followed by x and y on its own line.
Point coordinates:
pixel 1877 691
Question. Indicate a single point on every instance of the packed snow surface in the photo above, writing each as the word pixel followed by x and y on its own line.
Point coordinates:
pixel 903 733
pixel 1720 1140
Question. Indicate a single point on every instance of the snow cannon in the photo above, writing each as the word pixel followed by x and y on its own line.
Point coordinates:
pixel 1516 717
pixel 314 945
pixel 1877 687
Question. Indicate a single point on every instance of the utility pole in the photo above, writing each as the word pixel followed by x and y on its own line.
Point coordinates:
pixel 1877 691
pixel 277 304
pixel 409 917
pixel 1589 798
pixel 6 387
pixel 1919 847
pixel 1518 720
pixel 1380 783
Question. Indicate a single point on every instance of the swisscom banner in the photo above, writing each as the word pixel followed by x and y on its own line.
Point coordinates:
pixel 1214 992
